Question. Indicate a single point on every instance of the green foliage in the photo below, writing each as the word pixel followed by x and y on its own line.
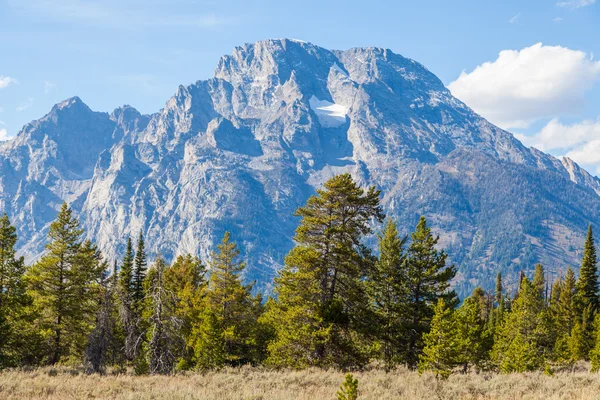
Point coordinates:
pixel 473 339
pixel 388 295
pixel 595 352
pixel 19 342
pixel 139 273
pixel 520 342
pixel 186 281
pixel 562 308
pixel 349 389
pixel 441 352
pixel 322 283
pixel 428 279
pixel 64 287
pixel 231 314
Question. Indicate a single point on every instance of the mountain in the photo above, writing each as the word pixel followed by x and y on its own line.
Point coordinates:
pixel 242 150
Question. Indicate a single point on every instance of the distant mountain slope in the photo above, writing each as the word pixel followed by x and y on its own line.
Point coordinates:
pixel 243 150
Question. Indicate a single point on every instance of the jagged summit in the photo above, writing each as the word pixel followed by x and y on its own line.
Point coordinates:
pixel 242 150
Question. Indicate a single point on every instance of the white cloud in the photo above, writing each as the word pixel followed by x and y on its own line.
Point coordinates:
pixel 4 135
pixel 522 86
pixel 24 106
pixel 557 20
pixel 6 80
pixel 579 141
pixel 48 86
pixel 556 136
pixel 514 19
pixel 575 3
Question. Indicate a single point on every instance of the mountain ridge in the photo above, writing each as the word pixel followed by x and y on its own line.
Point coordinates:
pixel 242 150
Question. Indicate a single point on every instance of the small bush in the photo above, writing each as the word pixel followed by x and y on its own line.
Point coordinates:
pixel 349 389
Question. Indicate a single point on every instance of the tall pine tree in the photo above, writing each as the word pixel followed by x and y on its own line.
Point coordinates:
pixel 321 306
pixel 428 279
pixel 231 314
pixel 587 300
pixel 388 295
pixel 139 272
pixel 18 339
pixel 64 286
pixel 441 348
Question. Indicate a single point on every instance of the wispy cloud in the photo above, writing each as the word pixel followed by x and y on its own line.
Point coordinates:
pixel 25 105
pixel 557 20
pixel 48 86
pixel 575 3
pixel 514 19
pixel 6 80
pixel 112 13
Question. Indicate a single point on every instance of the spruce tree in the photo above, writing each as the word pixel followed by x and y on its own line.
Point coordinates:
pixel 594 354
pixel 587 285
pixel 18 338
pixel 473 339
pixel 441 351
pixel 231 309
pixel 186 280
pixel 539 280
pixel 564 314
pixel 587 300
pixel 428 278
pixel 64 287
pixel 388 295
pixel 521 340
pixel 322 307
pixel 129 316
pixel 139 272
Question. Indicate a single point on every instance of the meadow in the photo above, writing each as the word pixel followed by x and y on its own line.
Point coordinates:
pixel 250 383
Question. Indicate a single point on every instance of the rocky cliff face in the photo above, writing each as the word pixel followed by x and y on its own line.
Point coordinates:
pixel 243 150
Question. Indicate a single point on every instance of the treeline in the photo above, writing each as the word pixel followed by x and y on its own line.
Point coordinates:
pixel 335 304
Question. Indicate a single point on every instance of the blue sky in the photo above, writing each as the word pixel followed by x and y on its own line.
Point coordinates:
pixel 540 80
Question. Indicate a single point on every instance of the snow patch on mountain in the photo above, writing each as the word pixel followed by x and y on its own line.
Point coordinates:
pixel 331 115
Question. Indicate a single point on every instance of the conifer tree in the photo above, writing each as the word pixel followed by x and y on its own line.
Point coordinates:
pixel 520 340
pixel 587 300
pixel 564 315
pixel 587 285
pixel 428 279
pixel 349 389
pixel 129 322
pixel 539 280
pixel 101 345
pixel 594 354
pixel 231 309
pixel 64 286
pixel 473 340
pixel 388 294
pixel 321 306
pixel 18 339
pixel 164 342
pixel 499 294
pixel 185 279
pixel 139 272
pixel 441 352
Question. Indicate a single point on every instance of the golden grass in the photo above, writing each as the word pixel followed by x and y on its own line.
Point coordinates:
pixel 257 383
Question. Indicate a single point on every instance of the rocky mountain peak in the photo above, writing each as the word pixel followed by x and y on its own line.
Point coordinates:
pixel 242 150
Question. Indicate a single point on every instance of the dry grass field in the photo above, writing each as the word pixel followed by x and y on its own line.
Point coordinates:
pixel 256 383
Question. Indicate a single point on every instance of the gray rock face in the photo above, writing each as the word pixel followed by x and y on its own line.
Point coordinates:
pixel 243 150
